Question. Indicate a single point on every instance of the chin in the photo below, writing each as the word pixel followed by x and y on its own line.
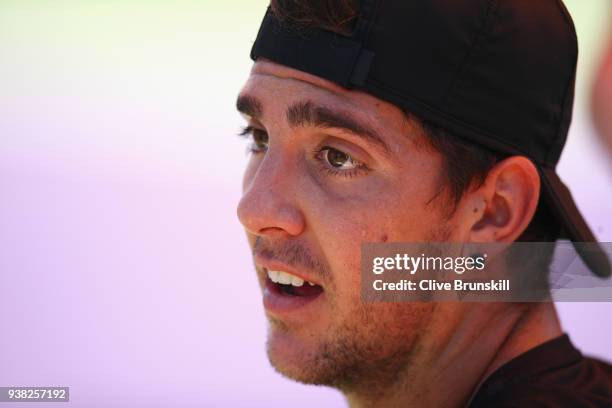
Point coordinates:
pixel 288 354
pixel 296 358
pixel 347 355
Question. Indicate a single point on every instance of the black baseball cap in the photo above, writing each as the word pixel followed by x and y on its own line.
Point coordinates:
pixel 498 73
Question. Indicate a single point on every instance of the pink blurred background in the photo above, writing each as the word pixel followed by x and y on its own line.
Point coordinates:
pixel 124 272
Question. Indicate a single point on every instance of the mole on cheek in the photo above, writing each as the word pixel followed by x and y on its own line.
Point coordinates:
pixel 384 238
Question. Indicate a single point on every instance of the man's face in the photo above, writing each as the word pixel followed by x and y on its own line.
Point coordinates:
pixel 331 169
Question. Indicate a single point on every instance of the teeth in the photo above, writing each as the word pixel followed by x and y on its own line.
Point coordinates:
pixel 273 275
pixel 295 281
pixel 285 278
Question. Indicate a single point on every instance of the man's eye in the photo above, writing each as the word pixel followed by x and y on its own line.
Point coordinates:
pixel 338 159
pixel 259 139
pixel 337 163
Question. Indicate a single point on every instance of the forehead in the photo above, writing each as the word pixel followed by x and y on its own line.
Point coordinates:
pixel 273 83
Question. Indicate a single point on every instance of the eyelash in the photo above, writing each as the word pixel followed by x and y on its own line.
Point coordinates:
pixel 250 131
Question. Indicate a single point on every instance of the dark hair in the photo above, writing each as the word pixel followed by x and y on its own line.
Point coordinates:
pixel 466 164
pixel 332 15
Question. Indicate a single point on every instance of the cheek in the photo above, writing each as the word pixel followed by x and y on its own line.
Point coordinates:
pixel 395 206
pixel 380 215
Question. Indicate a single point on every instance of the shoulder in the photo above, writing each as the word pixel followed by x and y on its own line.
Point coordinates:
pixel 545 396
pixel 554 374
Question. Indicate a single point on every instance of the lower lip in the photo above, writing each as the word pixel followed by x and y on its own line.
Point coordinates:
pixel 279 303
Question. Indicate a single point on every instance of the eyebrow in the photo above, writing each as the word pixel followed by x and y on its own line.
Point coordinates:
pixel 249 106
pixel 307 113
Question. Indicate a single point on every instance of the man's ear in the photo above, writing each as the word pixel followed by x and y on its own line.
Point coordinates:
pixel 502 208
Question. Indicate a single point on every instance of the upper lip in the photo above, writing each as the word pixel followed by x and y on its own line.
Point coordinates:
pixel 274 265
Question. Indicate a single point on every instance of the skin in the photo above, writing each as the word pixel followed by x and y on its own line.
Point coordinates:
pixel 299 209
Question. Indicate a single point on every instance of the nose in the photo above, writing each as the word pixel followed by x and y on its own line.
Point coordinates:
pixel 269 201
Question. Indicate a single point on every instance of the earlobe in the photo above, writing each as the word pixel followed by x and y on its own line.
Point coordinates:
pixel 509 199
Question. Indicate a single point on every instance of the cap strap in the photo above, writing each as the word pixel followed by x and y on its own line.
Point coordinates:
pixel 319 52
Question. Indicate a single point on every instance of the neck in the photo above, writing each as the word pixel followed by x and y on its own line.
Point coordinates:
pixel 457 354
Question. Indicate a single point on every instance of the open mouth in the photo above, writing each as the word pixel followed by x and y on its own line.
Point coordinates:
pixel 285 284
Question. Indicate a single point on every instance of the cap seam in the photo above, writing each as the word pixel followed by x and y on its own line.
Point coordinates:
pixel 458 81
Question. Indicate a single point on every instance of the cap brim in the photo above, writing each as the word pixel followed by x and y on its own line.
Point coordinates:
pixel 560 202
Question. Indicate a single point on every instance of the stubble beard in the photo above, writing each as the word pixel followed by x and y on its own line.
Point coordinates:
pixel 371 349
